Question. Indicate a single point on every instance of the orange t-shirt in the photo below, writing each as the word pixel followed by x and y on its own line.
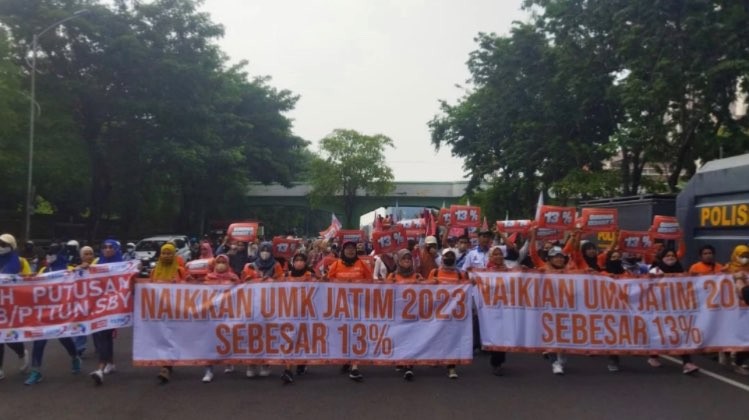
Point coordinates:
pixel 447 276
pixel 397 278
pixel 249 273
pixel 702 268
pixel 359 272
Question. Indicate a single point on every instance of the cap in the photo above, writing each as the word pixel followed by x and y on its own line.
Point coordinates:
pixel 446 251
pixel 554 251
pixel 430 240
pixel 9 239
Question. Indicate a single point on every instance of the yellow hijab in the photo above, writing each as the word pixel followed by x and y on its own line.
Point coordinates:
pixel 164 272
pixel 735 266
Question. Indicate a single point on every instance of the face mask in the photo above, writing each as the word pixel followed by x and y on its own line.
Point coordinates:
pixel 51 259
pixel 264 255
pixel 221 268
pixel 669 260
pixel 449 262
pixel 744 261
pixel 4 250
pixel 234 247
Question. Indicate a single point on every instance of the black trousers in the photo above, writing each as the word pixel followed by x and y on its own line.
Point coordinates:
pixel 16 347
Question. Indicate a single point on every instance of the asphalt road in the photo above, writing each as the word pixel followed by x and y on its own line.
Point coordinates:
pixel 527 390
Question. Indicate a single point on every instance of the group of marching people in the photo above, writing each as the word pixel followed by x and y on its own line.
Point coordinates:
pixel 446 261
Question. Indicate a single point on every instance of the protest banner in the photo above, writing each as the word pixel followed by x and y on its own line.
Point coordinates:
pixel 389 240
pixel 665 227
pixel 414 234
pixel 559 218
pixel 356 236
pixel 599 220
pixel 465 216
pixel 285 247
pixel 595 314
pixel 513 226
pixel 298 322
pixel 243 232
pixel 443 219
pixel 66 303
pixel 635 242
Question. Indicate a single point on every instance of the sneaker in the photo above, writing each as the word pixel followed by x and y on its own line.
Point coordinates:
pixel 164 375
pixel 613 367
pixel 497 371
pixel 345 369
pixel 557 368
pixel 109 368
pixel 75 365
pixel 654 362
pixel 301 370
pixel 251 372
pixel 264 370
pixel 208 377
pixel 409 375
pixel 229 369
pixel 452 373
pixel 287 377
pixel 741 370
pixel 2 374
pixel 689 368
pixel 355 375
pixel 97 376
pixel 34 378
pixel 25 363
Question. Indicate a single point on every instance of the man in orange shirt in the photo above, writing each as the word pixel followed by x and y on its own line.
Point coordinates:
pixel 706 264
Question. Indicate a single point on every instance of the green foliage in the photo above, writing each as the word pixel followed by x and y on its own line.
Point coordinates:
pixel 143 119
pixel 350 163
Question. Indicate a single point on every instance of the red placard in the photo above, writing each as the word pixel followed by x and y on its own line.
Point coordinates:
pixel 419 223
pixel 599 220
pixel 559 218
pixel 513 226
pixel 635 242
pixel 284 247
pixel 665 227
pixel 356 236
pixel 456 232
pixel 465 216
pixel 199 267
pixel 414 234
pixel 546 234
pixel 389 240
pixel 243 232
pixel 443 219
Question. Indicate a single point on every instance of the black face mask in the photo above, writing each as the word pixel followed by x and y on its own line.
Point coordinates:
pixel 449 262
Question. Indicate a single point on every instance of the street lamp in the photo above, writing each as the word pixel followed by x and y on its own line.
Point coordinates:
pixel 34 41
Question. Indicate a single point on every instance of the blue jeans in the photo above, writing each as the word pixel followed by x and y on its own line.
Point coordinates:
pixel 37 351
pixel 80 343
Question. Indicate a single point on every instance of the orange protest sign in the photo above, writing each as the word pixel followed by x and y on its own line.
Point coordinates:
pixel 599 220
pixel 465 216
pixel 444 217
pixel 545 234
pixel 285 248
pixel 356 236
pixel 414 234
pixel 635 242
pixel 665 227
pixel 513 226
pixel 559 218
pixel 390 240
pixel 243 232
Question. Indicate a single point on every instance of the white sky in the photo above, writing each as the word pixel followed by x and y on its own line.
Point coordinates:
pixel 375 66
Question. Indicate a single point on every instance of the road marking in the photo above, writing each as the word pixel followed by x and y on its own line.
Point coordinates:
pixel 713 375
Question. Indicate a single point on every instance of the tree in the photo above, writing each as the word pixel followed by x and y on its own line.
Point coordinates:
pixel 350 163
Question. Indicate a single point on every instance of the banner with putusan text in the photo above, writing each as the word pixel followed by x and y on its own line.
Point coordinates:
pixel 303 323
pixel 66 303
pixel 596 314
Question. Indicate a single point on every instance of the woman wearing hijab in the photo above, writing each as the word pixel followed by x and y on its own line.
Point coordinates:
pixel 221 274
pixel 667 262
pixel 55 261
pixel 11 263
pixel 497 263
pixel 265 268
pixel 168 270
pixel 299 270
pixel 205 251
pixel 104 340
pixel 739 269
pixel 405 274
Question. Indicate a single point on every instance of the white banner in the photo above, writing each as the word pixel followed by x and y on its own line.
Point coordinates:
pixel 595 314
pixel 66 303
pixel 302 322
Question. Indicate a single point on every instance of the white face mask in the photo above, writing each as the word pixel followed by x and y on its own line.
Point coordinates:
pixel 222 268
pixel 4 250
pixel 51 259
pixel 669 261
pixel 744 261
pixel 264 255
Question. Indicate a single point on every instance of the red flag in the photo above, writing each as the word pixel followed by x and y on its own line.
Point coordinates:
pixel 333 229
pixel 485 225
